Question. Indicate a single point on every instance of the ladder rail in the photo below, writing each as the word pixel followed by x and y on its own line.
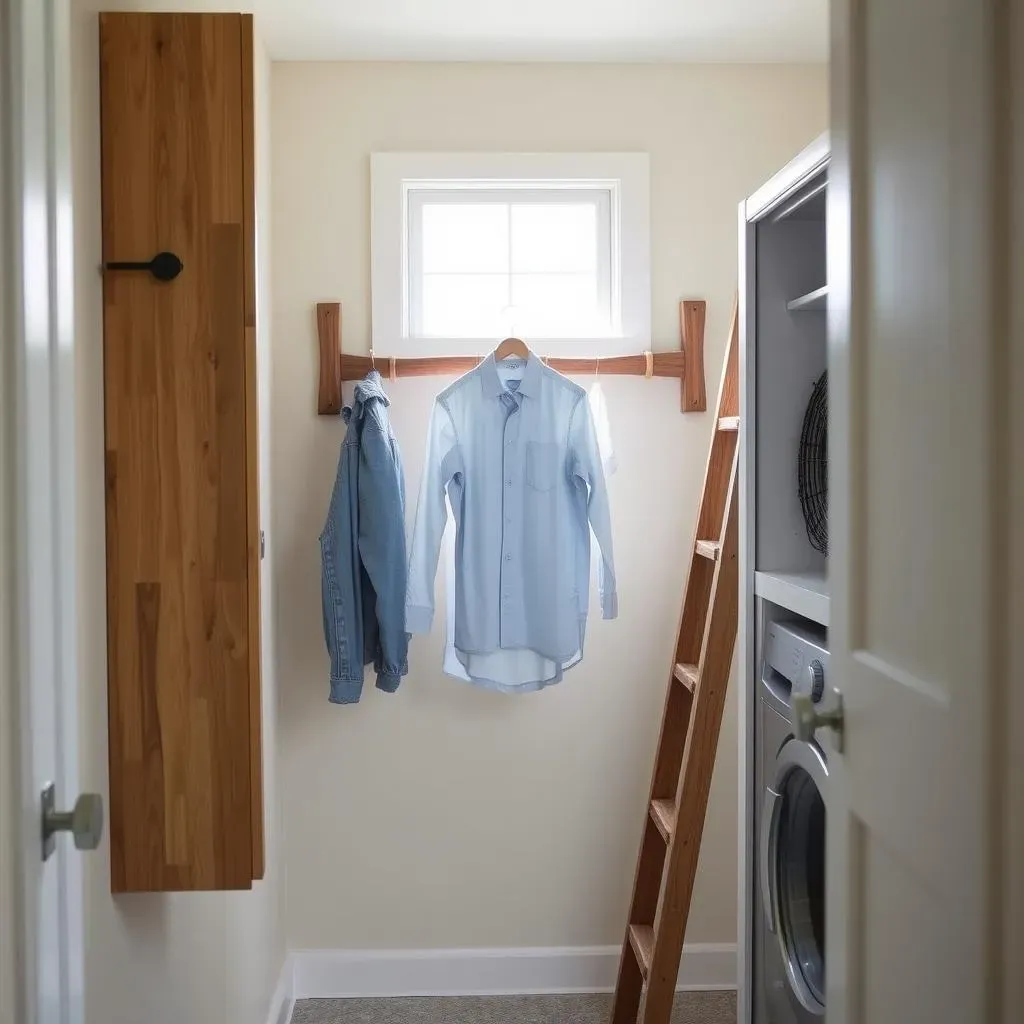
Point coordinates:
pixel 691 723
pixel 680 871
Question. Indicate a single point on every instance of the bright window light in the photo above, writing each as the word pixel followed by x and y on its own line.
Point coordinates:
pixel 489 262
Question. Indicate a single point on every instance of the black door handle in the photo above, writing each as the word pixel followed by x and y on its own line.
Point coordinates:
pixel 164 266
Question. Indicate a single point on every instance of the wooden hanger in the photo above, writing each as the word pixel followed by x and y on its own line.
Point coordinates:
pixel 511 347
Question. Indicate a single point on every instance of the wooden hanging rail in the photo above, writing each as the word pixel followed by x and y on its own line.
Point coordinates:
pixel 687 364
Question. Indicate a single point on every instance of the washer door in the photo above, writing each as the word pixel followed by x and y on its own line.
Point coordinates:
pixel 793 868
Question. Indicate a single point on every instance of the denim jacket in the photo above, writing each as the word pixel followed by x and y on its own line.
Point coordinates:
pixel 362 550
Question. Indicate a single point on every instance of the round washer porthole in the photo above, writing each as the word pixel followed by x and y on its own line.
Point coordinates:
pixel 800 884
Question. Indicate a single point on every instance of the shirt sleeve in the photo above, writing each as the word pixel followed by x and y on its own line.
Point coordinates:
pixel 599 414
pixel 442 462
pixel 382 548
pixel 586 464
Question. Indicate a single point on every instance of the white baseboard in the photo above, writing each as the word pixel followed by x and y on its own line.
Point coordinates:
pixel 344 973
pixel 282 1002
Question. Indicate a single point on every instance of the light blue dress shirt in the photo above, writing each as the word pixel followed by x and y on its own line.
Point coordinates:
pixel 513 448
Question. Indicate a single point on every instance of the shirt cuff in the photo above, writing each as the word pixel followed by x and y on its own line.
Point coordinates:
pixel 610 605
pixel 418 618
pixel 388 681
pixel 346 691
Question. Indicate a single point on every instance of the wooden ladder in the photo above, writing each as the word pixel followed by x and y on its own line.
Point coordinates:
pixel 674 818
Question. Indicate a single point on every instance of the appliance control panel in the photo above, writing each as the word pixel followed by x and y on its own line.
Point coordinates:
pixel 798 654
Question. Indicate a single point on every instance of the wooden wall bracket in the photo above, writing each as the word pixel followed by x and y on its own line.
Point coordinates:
pixel 691 341
pixel 328 330
pixel 686 364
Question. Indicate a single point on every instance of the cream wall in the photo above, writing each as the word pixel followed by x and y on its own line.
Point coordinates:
pixel 446 816
pixel 201 958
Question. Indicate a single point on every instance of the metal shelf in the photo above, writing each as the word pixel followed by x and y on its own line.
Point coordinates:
pixel 805 593
pixel 816 301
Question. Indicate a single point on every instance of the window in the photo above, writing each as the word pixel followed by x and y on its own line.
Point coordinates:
pixel 484 262
pixel 468 248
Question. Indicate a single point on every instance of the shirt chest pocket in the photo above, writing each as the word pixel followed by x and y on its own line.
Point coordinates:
pixel 543 464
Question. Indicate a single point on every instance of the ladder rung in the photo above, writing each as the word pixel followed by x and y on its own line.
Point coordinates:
pixel 687 675
pixel 663 813
pixel 708 549
pixel 729 423
pixel 641 938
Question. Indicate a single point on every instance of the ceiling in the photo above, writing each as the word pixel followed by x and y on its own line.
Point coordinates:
pixel 586 30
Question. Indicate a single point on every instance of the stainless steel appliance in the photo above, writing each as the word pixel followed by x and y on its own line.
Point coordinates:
pixel 792 779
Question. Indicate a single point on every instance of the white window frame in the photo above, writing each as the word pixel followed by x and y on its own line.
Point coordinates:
pixel 624 177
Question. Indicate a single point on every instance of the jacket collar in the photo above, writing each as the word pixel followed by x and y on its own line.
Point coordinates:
pixel 529 385
pixel 369 389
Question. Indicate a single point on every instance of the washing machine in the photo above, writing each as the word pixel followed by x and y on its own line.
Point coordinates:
pixel 792 782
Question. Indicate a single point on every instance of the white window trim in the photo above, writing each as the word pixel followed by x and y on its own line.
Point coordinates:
pixel 625 175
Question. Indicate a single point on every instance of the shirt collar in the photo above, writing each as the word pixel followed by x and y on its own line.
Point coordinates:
pixel 370 388
pixel 529 384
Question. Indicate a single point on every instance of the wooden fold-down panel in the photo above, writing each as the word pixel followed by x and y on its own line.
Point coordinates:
pixel 180 421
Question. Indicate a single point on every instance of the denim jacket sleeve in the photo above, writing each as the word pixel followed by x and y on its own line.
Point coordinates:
pixel 586 466
pixel 443 460
pixel 382 544
pixel 342 607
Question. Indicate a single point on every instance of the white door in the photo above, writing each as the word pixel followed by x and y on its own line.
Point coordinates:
pixel 922 463
pixel 41 928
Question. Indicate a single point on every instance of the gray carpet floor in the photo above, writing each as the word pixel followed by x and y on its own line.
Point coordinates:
pixel 690 1008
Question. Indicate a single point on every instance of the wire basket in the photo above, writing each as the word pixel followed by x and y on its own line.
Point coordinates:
pixel 812 466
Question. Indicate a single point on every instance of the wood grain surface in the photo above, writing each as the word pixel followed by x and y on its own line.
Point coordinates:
pixel 180 434
pixel 692 314
pixel 337 366
pixel 665 364
pixel 252 457
pixel 328 332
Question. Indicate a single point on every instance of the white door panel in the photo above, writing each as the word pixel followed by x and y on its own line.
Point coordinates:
pixel 916 505
pixel 37 549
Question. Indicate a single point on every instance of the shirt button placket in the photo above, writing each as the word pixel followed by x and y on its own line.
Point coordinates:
pixel 508 472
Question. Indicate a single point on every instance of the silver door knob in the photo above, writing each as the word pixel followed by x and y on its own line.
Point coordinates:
pixel 807 719
pixel 84 821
